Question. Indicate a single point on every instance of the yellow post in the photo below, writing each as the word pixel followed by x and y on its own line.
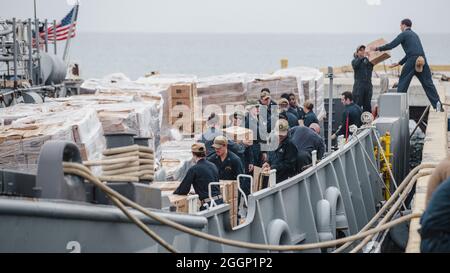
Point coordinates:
pixel 386 139
pixel 284 63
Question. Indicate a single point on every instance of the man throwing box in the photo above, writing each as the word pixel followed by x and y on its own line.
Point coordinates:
pixel 415 62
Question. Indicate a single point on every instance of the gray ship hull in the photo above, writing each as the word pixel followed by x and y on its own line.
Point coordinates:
pixel 338 196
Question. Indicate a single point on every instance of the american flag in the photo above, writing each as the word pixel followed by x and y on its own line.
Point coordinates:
pixel 62 28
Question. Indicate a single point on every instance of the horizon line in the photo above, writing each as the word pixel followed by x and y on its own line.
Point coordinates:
pixel 256 32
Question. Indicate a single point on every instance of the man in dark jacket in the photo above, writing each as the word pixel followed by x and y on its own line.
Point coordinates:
pixel 284 158
pixel 350 116
pixel 363 88
pixel 199 176
pixel 267 108
pixel 227 162
pixel 415 62
pixel 306 140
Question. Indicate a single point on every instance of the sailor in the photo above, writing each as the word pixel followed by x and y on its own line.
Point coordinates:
pixel 435 230
pixel 252 123
pixel 199 176
pixel 227 162
pixel 306 140
pixel 310 116
pixel 294 108
pixel 284 158
pixel 350 116
pixel 237 119
pixel 362 89
pixel 435 222
pixel 211 133
pixel 415 62
pixel 315 127
pixel 243 149
pixel 266 108
pixel 283 109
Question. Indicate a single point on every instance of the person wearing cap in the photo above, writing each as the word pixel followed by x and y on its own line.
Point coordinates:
pixel 284 158
pixel 310 116
pixel 283 109
pixel 362 88
pixel 211 133
pixel 242 149
pixel 266 108
pixel 414 63
pixel 199 176
pixel 237 119
pixel 227 162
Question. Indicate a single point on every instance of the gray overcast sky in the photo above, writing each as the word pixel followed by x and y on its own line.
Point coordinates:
pixel 302 16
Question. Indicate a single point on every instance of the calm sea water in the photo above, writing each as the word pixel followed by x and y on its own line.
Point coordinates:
pixel 135 54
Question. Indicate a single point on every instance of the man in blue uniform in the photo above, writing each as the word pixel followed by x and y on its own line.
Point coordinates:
pixel 199 176
pixel 350 116
pixel 363 88
pixel 266 108
pixel 227 162
pixel 284 158
pixel 415 62
pixel 307 140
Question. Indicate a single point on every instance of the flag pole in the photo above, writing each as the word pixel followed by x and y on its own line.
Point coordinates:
pixel 66 49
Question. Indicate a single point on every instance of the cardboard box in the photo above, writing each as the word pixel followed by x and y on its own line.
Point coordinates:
pixel 181 101
pixel 180 91
pixel 376 57
pixel 229 190
pixel 185 203
pixel 239 134
pixel 180 202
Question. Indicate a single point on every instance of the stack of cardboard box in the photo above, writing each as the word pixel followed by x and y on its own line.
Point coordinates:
pixel 181 106
pixel 229 191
